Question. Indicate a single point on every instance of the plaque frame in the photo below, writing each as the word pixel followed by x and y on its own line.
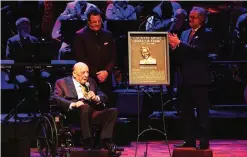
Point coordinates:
pixel 162 66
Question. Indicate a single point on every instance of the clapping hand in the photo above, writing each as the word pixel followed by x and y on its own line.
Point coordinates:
pixel 173 40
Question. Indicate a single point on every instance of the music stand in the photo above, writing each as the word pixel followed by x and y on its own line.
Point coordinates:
pixel 35 53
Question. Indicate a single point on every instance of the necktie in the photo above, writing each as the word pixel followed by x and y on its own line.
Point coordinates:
pixel 191 35
pixel 84 91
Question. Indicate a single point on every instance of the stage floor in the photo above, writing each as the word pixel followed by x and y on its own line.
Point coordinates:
pixel 220 148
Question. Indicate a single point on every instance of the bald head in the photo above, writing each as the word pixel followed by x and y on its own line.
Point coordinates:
pixel 79 65
pixel 80 72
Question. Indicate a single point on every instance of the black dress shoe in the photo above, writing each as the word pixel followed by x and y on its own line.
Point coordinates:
pixel 109 145
pixel 185 144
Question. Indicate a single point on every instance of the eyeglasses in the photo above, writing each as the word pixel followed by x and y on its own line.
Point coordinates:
pixel 193 17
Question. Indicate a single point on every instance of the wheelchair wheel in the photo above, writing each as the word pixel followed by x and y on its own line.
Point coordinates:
pixel 46 136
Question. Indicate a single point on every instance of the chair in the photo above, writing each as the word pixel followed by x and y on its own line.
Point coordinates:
pixel 55 135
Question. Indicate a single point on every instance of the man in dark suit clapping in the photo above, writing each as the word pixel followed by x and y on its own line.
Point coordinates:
pixel 192 50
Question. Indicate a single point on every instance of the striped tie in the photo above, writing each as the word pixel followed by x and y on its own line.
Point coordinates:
pixel 84 91
pixel 191 35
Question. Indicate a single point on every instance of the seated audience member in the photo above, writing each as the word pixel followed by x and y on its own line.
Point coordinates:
pixel 162 17
pixel 120 10
pixel 80 94
pixel 19 46
pixel 22 48
pixel 76 10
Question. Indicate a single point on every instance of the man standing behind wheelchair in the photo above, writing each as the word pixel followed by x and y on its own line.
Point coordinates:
pixel 80 93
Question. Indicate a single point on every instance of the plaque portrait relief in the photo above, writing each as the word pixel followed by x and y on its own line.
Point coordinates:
pixel 146 54
pixel 148 58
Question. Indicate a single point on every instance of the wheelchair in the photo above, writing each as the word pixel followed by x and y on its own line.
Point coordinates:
pixel 54 136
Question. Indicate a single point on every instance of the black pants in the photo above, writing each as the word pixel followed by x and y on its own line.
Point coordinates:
pixel 106 118
pixel 191 97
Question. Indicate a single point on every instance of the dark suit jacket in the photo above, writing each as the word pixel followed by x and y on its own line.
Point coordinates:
pixel 193 57
pixel 97 50
pixel 15 51
pixel 65 93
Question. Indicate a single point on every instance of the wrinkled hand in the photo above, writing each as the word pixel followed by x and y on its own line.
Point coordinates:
pixel 91 96
pixel 173 40
pixel 77 104
pixel 102 75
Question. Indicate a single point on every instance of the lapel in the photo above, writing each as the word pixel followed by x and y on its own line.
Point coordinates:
pixel 196 35
pixel 187 36
pixel 71 86
pixel 91 87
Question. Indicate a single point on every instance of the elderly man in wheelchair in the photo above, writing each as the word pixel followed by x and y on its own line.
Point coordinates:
pixel 79 96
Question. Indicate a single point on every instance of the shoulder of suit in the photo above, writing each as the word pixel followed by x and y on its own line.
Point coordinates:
pixel 85 29
pixel 81 31
pixel 188 30
pixel 64 79
pixel 13 38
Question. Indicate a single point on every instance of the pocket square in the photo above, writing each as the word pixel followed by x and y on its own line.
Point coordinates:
pixel 196 37
pixel 106 43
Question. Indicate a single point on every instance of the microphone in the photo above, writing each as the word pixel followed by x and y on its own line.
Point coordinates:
pixel 87 84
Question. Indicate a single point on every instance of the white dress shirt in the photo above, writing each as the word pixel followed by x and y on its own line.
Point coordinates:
pixel 78 88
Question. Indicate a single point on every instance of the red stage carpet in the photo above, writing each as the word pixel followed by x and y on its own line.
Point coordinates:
pixel 220 148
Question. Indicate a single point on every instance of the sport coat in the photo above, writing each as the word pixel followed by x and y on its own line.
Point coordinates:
pixel 193 57
pixel 96 49
pixel 65 93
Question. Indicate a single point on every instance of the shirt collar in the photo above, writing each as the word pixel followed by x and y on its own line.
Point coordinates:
pixel 76 83
pixel 196 28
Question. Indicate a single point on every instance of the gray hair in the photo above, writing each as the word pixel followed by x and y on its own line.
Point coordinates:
pixel 202 14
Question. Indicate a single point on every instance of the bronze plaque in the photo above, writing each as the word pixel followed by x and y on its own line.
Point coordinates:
pixel 148 58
